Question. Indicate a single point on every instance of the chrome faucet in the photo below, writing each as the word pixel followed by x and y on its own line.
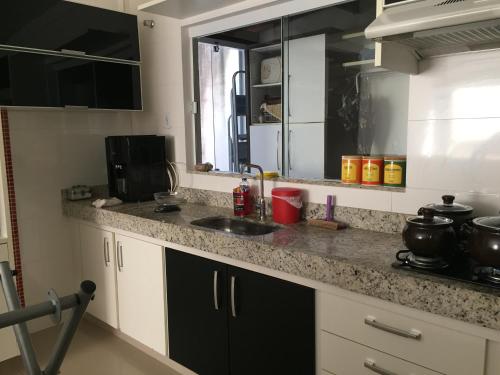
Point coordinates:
pixel 261 201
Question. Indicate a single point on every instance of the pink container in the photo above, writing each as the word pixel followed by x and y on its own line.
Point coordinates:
pixel 287 204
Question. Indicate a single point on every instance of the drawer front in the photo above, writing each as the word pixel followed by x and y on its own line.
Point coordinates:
pixel 441 349
pixel 343 357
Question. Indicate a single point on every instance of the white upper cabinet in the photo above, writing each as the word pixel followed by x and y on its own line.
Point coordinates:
pixel 307 79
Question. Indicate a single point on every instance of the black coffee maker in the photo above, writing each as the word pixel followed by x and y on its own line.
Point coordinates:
pixel 137 167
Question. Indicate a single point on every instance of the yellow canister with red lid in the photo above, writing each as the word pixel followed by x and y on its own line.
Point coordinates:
pixel 351 169
pixel 373 170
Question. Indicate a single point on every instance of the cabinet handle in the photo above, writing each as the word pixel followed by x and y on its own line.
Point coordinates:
pixel 68 106
pixel 411 334
pixel 289 147
pixel 108 254
pixel 73 52
pixel 233 297
pixel 289 110
pixel 278 150
pixel 105 252
pixel 216 290
pixel 372 366
pixel 120 256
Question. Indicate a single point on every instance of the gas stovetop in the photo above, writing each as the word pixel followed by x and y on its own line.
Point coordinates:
pixel 461 268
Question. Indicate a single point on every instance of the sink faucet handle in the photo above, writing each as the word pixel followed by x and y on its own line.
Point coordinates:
pixel 242 168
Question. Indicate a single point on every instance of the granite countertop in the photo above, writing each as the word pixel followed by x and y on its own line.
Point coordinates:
pixel 353 259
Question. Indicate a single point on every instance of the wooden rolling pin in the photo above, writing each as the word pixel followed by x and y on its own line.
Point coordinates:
pixel 333 225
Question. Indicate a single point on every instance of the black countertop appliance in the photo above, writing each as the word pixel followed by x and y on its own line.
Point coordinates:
pixel 137 167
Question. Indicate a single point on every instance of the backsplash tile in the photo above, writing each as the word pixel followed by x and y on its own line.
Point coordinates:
pixel 459 154
pixel 456 86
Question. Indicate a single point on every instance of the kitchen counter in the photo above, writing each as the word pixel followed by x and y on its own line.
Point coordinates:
pixel 353 259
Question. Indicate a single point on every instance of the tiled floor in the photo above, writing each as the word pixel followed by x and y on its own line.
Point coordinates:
pixel 94 351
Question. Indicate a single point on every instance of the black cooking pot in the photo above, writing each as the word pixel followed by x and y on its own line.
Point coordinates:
pixel 484 241
pixel 459 213
pixel 429 235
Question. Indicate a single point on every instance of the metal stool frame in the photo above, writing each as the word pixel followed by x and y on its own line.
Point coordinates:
pixel 17 317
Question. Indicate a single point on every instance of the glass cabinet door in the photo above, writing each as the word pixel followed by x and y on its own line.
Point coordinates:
pixel 312 94
pixel 57 25
pixel 36 80
pixel 337 102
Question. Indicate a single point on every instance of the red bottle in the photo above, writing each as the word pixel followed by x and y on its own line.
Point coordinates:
pixel 242 199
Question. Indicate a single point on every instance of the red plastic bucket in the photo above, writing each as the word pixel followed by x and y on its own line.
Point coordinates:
pixel 287 204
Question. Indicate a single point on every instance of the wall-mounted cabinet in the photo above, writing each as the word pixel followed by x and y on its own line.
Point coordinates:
pixel 56 25
pixel 30 79
pixel 62 54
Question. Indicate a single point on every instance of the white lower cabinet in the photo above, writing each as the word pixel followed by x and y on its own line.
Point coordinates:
pixel 265 146
pixel 344 357
pixel 393 340
pixel 141 291
pixel 130 278
pixel 302 139
pixel 99 265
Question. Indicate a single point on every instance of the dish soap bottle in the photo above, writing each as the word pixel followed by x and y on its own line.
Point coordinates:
pixel 241 199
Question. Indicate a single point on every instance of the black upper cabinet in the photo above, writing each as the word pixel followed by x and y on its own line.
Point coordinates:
pixel 118 86
pixel 36 80
pixel 58 25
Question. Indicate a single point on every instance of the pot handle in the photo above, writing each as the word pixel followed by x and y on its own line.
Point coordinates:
pixel 399 253
pixel 448 200
pixel 467 228
pixel 428 213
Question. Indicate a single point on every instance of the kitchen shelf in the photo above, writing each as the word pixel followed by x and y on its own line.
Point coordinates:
pixel 360 34
pixel 268 49
pixel 265 123
pixel 352 64
pixel 182 9
pixel 264 85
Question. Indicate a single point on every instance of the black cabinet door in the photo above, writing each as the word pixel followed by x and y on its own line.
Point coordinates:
pixel 118 86
pixel 62 25
pixel 28 79
pixel 197 313
pixel 273 331
pixel 37 80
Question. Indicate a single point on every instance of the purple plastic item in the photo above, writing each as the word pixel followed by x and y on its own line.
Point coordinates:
pixel 329 207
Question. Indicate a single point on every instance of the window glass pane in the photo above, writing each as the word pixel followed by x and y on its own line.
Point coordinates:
pixel 230 90
pixel 338 103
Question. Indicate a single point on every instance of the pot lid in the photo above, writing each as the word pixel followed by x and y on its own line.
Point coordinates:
pixel 429 219
pixel 449 207
pixel 490 223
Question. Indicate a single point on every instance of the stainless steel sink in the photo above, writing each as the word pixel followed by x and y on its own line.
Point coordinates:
pixel 236 226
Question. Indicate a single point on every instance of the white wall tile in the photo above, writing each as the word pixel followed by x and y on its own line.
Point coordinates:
pixel 52 150
pixel 457 86
pixel 461 155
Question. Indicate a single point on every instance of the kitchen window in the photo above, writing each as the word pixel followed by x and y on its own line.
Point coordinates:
pixel 297 94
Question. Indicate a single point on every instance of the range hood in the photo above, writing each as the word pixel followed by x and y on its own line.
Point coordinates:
pixel 434 27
